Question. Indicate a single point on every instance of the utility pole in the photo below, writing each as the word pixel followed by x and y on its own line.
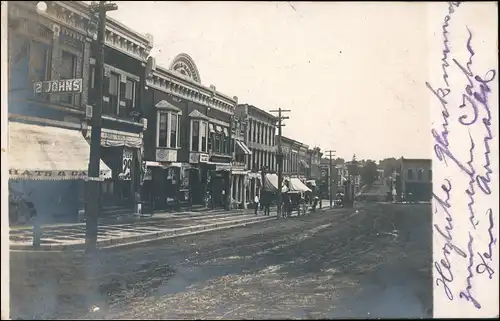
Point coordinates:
pixel 93 201
pixel 279 154
pixel 331 154
pixel 229 182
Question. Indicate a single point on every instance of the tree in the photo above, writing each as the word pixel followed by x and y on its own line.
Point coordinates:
pixel 369 173
pixel 388 165
pixel 353 167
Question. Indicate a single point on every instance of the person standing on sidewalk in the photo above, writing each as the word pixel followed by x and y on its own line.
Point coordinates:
pixel 256 201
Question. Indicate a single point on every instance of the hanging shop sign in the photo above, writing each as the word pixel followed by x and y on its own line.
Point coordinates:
pixel 204 158
pixel 58 86
pixel 127 163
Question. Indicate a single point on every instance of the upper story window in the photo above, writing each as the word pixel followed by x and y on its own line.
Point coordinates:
pixel 410 173
pixel 39 61
pixel 120 90
pixel 168 129
pixel 420 174
pixel 199 134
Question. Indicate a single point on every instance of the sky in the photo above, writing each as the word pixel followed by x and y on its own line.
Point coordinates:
pixel 352 74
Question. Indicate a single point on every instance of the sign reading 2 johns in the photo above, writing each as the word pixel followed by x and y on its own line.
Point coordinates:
pixel 58 86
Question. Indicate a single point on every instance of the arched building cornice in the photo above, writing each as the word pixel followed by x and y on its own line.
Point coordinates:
pixel 184 65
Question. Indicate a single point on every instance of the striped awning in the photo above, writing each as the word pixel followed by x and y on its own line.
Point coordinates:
pixel 243 147
pixel 49 153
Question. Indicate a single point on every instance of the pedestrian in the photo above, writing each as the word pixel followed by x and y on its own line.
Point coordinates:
pixel 267 201
pixel 256 201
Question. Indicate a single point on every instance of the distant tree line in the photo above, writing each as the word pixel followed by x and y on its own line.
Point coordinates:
pixel 368 169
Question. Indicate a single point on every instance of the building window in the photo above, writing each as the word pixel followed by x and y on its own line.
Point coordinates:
pixel 92 77
pixel 420 174
pixel 173 130
pixel 199 134
pixel 410 173
pixel 130 86
pixel 195 138
pixel 203 134
pixel 168 129
pixel 227 143
pixel 67 70
pixel 162 128
pixel 430 174
pixel 39 61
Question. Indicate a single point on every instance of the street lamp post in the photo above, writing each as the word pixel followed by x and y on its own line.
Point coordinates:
pixel 93 202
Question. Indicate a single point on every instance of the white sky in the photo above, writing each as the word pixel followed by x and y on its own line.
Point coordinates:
pixel 352 73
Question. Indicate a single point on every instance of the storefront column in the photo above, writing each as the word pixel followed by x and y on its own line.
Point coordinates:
pixel 237 188
pixel 244 192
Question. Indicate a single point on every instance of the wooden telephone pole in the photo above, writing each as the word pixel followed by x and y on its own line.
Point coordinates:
pixel 330 154
pixel 92 207
pixel 279 154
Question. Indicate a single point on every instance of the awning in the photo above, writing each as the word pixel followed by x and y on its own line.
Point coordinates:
pixel 153 164
pixel 295 184
pixel 243 147
pixel 211 128
pixel 48 153
pixel 312 182
pixel 303 163
pixel 271 183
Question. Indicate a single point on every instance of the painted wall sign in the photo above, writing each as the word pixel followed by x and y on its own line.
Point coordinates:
pixel 51 175
pixel 58 86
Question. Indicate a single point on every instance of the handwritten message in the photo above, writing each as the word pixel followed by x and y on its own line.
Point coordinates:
pixel 465 197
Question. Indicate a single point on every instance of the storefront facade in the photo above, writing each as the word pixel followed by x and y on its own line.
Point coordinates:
pixel 48 156
pixel 294 158
pixel 260 140
pixel 188 136
pixel 123 121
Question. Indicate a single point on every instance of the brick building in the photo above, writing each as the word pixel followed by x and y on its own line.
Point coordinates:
pixel 187 144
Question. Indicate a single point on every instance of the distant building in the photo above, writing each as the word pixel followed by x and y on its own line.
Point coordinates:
pixel 259 129
pixel 294 158
pixel 416 178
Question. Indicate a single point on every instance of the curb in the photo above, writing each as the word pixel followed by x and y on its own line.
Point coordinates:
pixel 146 237
pixel 155 236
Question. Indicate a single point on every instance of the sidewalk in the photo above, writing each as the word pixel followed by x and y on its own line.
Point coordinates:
pixel 142 229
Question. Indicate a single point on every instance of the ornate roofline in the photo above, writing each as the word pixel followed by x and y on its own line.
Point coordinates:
pixel 262 112
pixel 75 16
pixel 173 83
pixel 184 61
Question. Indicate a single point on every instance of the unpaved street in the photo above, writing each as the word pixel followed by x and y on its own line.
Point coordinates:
pixel 372 261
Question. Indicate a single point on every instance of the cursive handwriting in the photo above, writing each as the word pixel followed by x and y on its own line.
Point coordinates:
pixel 493 240
pixel 444 265
pixel 445 64
pixel 474 110
pixel 466 294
